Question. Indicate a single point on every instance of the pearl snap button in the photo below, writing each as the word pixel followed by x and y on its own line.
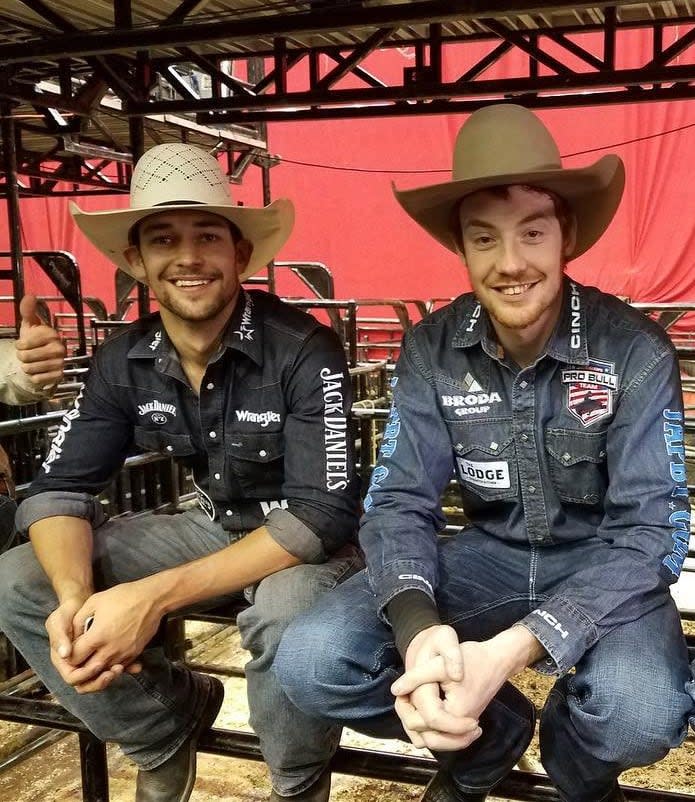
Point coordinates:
pixel 229 513
pixel 262 453
pixel 213 435
pixel 170 448
pixel 217 476
pixel 210 386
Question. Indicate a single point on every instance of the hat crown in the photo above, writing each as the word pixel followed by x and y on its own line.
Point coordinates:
pixel 178 173
pixel 503 140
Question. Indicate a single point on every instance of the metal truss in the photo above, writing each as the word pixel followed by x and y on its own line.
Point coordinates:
pixel 84 98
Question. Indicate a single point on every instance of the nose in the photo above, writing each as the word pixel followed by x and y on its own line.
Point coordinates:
pixel 188 252
pixel 510 261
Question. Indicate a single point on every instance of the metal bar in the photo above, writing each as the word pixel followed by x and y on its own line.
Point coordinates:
pixel 9 149
pixel 187 32
pixel 95 769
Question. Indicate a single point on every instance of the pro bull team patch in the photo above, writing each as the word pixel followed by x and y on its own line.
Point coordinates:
pixel 590 390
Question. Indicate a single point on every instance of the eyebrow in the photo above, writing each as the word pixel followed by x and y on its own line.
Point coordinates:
pixel 531 218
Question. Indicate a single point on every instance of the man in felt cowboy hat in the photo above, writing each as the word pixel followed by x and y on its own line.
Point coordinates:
pixel 558 409
pixel 253 396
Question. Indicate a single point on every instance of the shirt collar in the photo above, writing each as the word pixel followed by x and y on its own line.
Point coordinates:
pixel 243 333
pixel 567 343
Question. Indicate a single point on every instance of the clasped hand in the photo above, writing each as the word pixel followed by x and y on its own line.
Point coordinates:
pixel 445 688
pixel 123 621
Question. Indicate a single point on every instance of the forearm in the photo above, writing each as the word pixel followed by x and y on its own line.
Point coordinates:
pixel 63 547
pixel 227 571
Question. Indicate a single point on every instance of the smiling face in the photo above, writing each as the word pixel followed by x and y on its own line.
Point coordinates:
pixel 191 263
pixel 515 252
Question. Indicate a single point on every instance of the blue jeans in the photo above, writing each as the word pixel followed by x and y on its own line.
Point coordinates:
pixel 150 714
pixel 624 705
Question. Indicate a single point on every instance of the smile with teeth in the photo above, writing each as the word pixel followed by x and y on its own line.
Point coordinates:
pixel 190 282
pixel 517 289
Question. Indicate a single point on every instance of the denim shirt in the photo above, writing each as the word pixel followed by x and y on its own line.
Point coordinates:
pixel 586 442
pixel 267 438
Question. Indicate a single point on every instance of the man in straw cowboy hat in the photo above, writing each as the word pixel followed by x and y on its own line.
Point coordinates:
pixel 559 411
pixel 251 394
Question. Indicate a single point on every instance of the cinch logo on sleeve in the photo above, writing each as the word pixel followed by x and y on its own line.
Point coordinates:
pixel 484 474
pixel 550 619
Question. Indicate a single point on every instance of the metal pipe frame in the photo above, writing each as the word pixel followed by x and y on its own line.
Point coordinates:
pixel 519 785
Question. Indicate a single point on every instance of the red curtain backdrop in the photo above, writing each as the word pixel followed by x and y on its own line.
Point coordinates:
pixel 339 176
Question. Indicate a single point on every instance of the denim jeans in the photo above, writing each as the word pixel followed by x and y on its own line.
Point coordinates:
pixel 624 705
pixel 150 714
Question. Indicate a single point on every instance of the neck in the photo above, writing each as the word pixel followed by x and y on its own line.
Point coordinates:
pixel 195 341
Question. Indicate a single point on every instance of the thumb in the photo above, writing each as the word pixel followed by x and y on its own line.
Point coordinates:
pixel 28 311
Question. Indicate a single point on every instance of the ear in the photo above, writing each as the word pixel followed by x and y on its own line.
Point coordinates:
pixel 244 249
pixel 570 238
pixel 132 256
pixel 137 266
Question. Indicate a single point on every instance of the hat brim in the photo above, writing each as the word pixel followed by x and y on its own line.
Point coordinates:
pixel 593 194
pixel 267 228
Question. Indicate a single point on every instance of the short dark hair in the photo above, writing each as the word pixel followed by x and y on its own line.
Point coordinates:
pixel 134 233
pixel 563 211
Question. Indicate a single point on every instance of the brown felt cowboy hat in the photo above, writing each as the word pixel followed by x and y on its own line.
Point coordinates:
pixel 506 144
pixel 178 176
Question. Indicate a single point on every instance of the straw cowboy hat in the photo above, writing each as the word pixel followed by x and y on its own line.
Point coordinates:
pixel 177 176
pixel 506 144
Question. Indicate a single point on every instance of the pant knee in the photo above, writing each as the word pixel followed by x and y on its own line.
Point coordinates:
pixel 20 575
pixel 619 725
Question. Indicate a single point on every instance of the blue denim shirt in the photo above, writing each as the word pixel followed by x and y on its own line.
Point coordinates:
pixel 267 438
pixel 586 442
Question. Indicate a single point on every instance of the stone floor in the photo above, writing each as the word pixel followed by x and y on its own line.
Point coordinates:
pixel 53 774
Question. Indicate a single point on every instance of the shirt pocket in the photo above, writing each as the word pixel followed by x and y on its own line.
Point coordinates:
pixel 486 468
pixel 257 461
pixel 162 442
pixel 577 465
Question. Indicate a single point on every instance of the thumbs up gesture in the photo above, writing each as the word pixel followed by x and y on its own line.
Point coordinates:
pixel 39 347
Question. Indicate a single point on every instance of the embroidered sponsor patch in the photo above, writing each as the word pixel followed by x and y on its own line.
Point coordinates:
pixel 264 418
pixel 157 411
pixel 245 330
pixel 590 390
pixel 484 474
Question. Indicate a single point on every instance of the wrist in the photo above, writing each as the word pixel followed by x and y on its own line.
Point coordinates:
pixel 518 649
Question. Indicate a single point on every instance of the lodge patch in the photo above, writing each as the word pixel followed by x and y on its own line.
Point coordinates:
pixel 590 390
